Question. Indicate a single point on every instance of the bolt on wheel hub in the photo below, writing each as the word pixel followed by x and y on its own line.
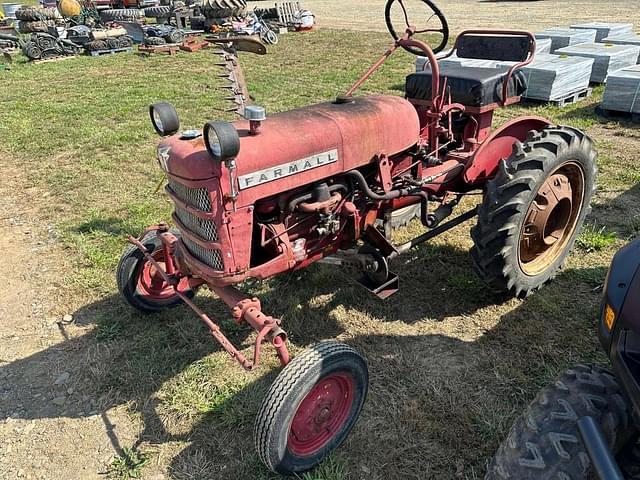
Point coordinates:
pixel 322 414
pixel 551 219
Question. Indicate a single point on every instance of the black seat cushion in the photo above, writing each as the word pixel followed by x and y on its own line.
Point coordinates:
pixel 470 86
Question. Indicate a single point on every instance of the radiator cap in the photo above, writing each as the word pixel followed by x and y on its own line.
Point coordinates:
pixel 255 113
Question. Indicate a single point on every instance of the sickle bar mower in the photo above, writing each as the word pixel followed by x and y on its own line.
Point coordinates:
pixel 262 196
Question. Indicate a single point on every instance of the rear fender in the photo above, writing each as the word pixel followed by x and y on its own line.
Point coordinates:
pixel 499 146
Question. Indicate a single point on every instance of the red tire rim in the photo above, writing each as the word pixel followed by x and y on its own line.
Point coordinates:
pixel 152 285
pixel 321 415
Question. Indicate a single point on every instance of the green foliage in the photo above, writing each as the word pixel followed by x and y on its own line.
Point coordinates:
pixel 594 239
pixel 128 465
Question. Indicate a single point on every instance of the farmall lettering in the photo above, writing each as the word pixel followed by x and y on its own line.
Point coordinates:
pixel 287 169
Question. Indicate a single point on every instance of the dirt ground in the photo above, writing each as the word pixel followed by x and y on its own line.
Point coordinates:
pixel 463 14
pixel 47 416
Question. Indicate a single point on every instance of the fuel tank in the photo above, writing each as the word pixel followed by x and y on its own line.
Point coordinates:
pixel 304 145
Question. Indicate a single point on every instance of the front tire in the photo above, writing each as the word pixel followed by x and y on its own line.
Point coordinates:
pixel 311 407
pixel 533 210
pixel 140 285
pixel 544 443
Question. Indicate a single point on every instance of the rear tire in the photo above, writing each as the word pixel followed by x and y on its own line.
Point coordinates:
pixel 544 443
pixel 137 283
pixel 518 245
pixel 311 407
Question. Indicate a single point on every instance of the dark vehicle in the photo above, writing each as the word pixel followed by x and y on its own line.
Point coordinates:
pixel 586 424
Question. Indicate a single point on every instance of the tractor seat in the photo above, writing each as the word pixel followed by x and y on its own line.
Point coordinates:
pixel 470 86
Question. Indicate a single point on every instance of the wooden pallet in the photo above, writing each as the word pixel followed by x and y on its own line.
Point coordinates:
pixel 98 53
pixel 286 12
pixel 170 49
pixel 569 99
pixel 55 59
pixel 614 114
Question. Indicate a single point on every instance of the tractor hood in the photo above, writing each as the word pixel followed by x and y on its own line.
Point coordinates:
pixel 303 145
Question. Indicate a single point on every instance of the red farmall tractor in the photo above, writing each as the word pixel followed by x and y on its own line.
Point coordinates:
pixel 262 196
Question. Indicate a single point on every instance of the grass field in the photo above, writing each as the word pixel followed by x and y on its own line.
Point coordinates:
pixel 451 364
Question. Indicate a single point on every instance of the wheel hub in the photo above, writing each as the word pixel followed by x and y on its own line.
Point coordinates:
pixel 322 414
pixel 551 219
pixel 150 281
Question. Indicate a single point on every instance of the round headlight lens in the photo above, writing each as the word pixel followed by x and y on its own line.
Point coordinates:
pixel 164 118
pixel 222 140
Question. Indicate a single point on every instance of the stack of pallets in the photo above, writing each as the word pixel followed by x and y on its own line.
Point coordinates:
pixel 607 58
pixel 557 79
pixel 564 37
pixel 622 95
pixel 605 30
pixel 629 39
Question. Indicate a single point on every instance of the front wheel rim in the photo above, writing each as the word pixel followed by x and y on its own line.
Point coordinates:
pixel 151 284
pixel 551 219
pixel 322 414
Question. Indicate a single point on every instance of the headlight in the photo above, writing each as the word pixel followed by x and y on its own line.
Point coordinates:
pixel 164 118
pixel 222 140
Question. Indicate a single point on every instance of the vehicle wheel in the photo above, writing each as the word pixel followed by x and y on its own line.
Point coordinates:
pixel 270 37
pixel 533 210
pixel 32 51
pixel 154 41
pixel 159 11
pixel 175 36
pixel 125 41
pixel 311 407
pixel 140 284
pixel 121 14
pixel 97 45
pixel 28 14
pixel 113 43
pixel 544 443
pixel 224 8
pixel 36 26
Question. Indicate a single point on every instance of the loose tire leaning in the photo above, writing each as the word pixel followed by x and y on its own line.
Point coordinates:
pixel 138 283
pixel 544 443
pixel 512 252
pixel 122 14
pixel 311 407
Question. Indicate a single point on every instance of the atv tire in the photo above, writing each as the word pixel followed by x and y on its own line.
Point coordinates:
pixel 32 51
pixel 518 245
pixel 125 41
pixel 122 15
pixel 224 8
pixel 41 26
pixel 544 443
pixel 159 11
pixel 97 45
pixel 175 36
pixel 154 41
pixel 27 14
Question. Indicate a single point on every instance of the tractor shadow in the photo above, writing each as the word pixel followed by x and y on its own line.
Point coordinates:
pixel 435 400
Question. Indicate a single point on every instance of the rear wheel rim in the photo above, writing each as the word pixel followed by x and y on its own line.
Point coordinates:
pixel 152 285
pixel 322 414
pixel 552 219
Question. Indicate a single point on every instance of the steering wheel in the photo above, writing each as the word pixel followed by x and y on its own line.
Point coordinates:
pixel 401 12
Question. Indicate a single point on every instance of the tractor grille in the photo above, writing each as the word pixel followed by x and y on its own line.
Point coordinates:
pixel 199 199
pixel 194 197
pixel 205 229
pixel 209 257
